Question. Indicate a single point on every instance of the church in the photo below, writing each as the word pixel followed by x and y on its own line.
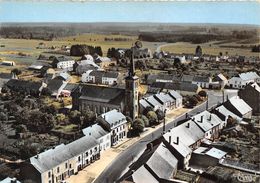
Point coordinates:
pixel 100 99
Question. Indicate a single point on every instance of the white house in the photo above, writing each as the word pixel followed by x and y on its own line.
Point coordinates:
pixel 87 78
pixel 100 134
pixel 59 163
pixel 115 122
pixel 100 77
pixel 243 79
pixel 209 123
pixel 202 81
pixel 177 97
pixel 62 62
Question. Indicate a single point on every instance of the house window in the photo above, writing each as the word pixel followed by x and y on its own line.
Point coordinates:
pixel 86 154
pixel 66 165
pixel 49 174
pixel 49 181
pixel 70 165
pixel 90 151
pixel 58 169
pixel 79 158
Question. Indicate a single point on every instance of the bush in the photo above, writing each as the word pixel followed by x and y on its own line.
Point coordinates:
pixel 152 117
pixel 202 93
pixel 146 120
pixel 138 125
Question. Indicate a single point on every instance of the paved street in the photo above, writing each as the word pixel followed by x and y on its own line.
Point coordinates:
pixel 119 165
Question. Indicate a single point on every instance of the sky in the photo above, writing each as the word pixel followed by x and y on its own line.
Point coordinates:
pixel 162 12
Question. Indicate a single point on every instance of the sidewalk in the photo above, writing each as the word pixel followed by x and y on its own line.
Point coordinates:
pixel 88 174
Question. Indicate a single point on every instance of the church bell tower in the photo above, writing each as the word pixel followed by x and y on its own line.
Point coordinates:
pixel 131 86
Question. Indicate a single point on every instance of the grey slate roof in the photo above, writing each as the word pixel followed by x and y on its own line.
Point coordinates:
pixel 102 94
pixel 175 95
pixel 163 162
pixel 114 118
pixel 95 131
pixel 53 157
pixel 187 78
pixel 205 79
pixel 208 122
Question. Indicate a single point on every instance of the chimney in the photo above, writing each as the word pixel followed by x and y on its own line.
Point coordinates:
pixel 177 141
pixel 210 117
pixel 150 146
pixel 188 125
pixel 170 139
pixel 201 119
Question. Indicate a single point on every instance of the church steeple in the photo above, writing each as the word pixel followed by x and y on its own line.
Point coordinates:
pixel 131 86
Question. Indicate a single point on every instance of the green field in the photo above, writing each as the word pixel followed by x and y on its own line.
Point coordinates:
pixel 210 48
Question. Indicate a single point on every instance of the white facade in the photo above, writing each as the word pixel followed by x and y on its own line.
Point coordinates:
pixel 237 82
pixel 86 77
pixel 117 124
pixel 109 81
pixel 65 64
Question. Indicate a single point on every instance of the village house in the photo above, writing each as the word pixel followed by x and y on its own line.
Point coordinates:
pixel 115 122
pixel 239 107
pixel 55 86
pixel 221 79
pixel 243 79
pixel 202 81
pixel 104 62
pixel 100 134
pixel 182 139
pixel 163 101
pixel 8 63
pixel 10 180
pixel 38 65
pixel 223 113
pixel 183 88
pixel 251 95
pixel 205 157
pixel 63 62
pixel 98 99
pixel 209 123
pixel 26 87
pixel 59 163
pixel 156 164
pixel 164 78
pixel 100 77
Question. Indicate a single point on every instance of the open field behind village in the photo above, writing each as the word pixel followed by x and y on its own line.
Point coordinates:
pixel 213 48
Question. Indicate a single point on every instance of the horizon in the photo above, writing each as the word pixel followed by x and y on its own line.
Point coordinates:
pixel 228 13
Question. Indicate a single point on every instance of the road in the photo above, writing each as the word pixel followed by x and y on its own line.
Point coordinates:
pixel 118 166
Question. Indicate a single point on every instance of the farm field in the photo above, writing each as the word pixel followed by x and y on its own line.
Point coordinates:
pixel 211 48
pixel 12 47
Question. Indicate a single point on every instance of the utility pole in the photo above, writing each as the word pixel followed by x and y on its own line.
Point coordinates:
pixel 223 96
pixel 164 121
pixel 207 103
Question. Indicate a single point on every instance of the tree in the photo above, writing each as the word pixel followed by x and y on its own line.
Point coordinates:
pixel 74 117
pixel 198 51
pixel 138 125
pixel 16 71
pixel 147 109
pixel 177 62
pixel 193 100
pixel 202 93
pixel 152 116
pixel 40 122
pixel 88 118
pixel 3 116
pixel 160 114
pixel 146 120
pixel 61 118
